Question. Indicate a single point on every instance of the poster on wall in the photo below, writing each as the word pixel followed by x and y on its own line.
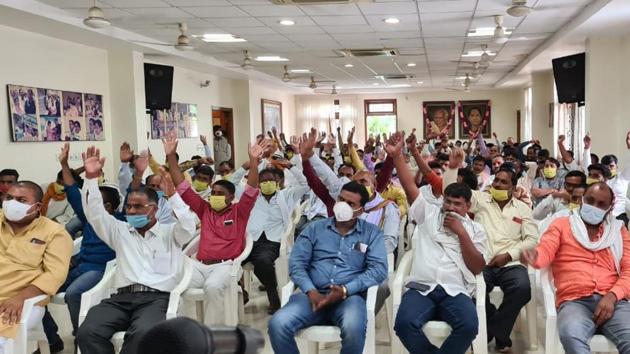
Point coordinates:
pixel 41 114
pixel 181 120
pixel 271 113
pixel 474 116
pixel 439 117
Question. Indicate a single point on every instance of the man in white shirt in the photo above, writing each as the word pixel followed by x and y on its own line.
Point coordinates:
pixel 268 222
pixel 451 249
pixel 149 261
pixel 222 147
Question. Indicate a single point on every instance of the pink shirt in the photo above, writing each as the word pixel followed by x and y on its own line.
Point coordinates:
pixel 222 235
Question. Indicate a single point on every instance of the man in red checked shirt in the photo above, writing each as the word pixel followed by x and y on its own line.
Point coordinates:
pixel 223 226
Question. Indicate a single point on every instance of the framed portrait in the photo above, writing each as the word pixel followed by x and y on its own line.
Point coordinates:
pixel 475 116
pixel 271 115
pixel 72 104
pixel 23 113
pixel 438 116
pixel 181 120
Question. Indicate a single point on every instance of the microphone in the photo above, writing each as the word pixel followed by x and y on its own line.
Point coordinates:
pixel 183 335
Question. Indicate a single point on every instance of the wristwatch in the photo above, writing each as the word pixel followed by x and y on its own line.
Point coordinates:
pixel 345 292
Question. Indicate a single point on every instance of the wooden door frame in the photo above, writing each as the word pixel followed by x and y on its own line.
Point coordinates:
pixel 230 131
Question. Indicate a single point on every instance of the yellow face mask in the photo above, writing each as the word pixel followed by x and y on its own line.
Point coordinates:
pixel 217 202
pixel 290 155
pixel 268 187
pixel 227 177
pixel 101 180
pixel 370 191
pixel 59 189
pixel 591 180
pixel 550 172
pixel 613 173
pixel 499 195
pixel 199 186
pixel 347 160
pixel 573 206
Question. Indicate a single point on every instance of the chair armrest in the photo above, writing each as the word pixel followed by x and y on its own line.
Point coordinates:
pixel 192 247
pixel 76 246
pixel 99 292
pixel 287 290
pixel 370 302
pixel 480 291
pixel 549 296
pixel 236 263
pixel 27 308
pixel 173 301
pixel 404 267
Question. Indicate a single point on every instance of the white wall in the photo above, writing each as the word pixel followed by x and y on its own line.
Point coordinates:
pixel 35 60
pixel 542 96
pixel 258 91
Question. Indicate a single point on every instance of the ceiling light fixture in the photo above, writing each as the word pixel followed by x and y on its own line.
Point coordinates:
pixel 270 58
pixel 476 53
pixel 286 22
pixel 221 38
pixel 349 65
pixel 411 65
pixel 399 85
pixel 375 84
pixel 420 82
pixel 391 20
pixel 519 8
pixel 299 71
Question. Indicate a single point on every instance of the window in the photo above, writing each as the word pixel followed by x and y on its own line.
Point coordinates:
pixel 380 117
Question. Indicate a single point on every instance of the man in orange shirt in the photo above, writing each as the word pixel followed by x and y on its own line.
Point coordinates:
pixel 589 254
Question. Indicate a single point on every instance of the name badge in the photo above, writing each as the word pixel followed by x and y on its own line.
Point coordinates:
pixel 228 222
pixel 37 241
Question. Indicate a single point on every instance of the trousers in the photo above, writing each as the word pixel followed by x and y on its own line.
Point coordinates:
pixel 215 281
pixel 263 257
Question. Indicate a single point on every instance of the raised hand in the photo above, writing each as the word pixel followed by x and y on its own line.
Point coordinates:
pixel 170 145
pixel 256 150
pixel 473 135
pixel 494 134
pixel 561 139
pixel 412 141
pixel 126 154
pixel 167 185
pixel 93 162
pixel 274 131
pixel 295 141
pixel 141 162
pixel 350 137
pixel 394 144
pixel 203 139
pixel 456 159
pixel 587 141
pixel 63 155
pixel 628 140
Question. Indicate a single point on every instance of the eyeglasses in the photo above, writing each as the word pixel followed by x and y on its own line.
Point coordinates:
pixel 137 206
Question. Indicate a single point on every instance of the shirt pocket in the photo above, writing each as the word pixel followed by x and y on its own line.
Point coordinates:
pixel 27 253
pixel 356 259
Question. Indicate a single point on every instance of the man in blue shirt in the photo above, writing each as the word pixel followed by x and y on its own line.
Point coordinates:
pixel 334 261
pixel 88 267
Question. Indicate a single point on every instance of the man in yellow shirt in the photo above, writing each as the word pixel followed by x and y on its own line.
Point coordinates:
pixel 34 256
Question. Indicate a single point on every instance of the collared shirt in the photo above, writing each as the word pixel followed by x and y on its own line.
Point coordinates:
pixel 509 230
pixel 155 260
pixel 619 184
pixel 322 257
pixel 548 206
pixel 274 216
pixel 39 255
pixel 556 183
pixel 315 207
pixel 222 235
pixel 579 272
pixel 431 264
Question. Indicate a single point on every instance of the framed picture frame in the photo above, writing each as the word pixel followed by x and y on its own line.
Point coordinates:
pixel 271 115
pixel 438 116
pixel 475 116
pixel 181 120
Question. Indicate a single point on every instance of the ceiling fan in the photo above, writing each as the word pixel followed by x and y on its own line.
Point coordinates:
pixel 468 80
pixel 519 8
pixel 313 83
pixel 183 41
pixel 96 18
pixel 499 31
pixel 286 76
pixel 485 57
pixel 333 91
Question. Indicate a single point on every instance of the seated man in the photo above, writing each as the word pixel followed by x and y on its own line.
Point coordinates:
pixel 559 200
pixel 34 256
pixel 55 205
pixel 451 249
pixel 589 255
pixel 223 227
pixel 165 210
pixel 8 177
pixel 149 261
pixel 333 262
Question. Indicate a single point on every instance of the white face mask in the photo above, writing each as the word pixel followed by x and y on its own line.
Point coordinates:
pixel 14 210
pixel 218 134
pixel 592 215
pixel 343 211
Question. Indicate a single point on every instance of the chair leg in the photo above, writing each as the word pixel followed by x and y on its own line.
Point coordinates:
pixel 241 307
pixel 532 330
pixel 199 310
pixel 247 281
pixel 389 308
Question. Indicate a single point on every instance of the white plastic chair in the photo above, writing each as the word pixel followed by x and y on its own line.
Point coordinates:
pixel 599 343
pixel 439 330
pixel 281 264
pixel 105 288
pixel 403 237
pixel 327 334
pixel 233 299
pixel 59 298
pixel 20 344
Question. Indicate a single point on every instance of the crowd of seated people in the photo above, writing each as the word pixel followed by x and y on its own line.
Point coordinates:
pixel 479 210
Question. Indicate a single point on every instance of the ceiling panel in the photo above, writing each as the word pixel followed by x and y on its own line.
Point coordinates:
pixel 299 30
pixel 137 3
pixel 356 29
pixel 198 2
pixel 74 4
pixel 236 22
pixel 331 10
pixel 215 11
pixel 159 12
pixel 446 6
pixel 390 8
pixel 300 21
pixel 272 10
pixel 338 20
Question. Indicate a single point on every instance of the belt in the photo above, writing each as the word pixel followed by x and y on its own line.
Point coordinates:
pixel 138 288
pixel 214 261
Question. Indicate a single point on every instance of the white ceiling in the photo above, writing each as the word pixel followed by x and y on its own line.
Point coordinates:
pixel 431 34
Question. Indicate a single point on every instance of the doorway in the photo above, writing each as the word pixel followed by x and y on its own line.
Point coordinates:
pixel 222 117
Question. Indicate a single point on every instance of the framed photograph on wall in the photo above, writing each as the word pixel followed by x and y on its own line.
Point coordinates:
pixel 180 120
pixel 271 115
pixel 475 116
pixel 23 113
pixel 439 116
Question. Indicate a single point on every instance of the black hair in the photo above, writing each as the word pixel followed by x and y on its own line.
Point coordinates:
pixel 229 163
pixel 458 190
pixel 216 127
pixel 601 168
pixel 227 185
pixel 205 170
pixel 378 165
pixel 110 195
pixel 469 178
pixel 267 171
pixel 146 180
pixel 195 157
pixel 543 154
pixel 34 187
pixel 458 141
pixel 278 173
pixel 10 172
pixel 149 192
pixel 594 158
pixel 347 165
pixel 554 161
pixel 355 187
pixel 99 123
pixel 60 175
pixel 576 173
pixel 479 158
pixel 490 145
pixel 608 159
pixel 434 164
pixel 442 157
pixel 511 169
pixel 511 151
pixel 605 186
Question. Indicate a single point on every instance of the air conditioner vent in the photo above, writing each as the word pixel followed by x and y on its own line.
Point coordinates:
pixel 383 52
pixel 316 2
pixel 395 76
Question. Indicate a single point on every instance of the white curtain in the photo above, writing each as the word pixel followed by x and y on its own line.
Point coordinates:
pixel 319 111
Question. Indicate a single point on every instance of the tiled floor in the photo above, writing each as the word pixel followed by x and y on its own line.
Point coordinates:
pixel 256 316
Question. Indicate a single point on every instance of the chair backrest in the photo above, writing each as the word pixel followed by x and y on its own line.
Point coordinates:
pixel 193 247
pixel 76 246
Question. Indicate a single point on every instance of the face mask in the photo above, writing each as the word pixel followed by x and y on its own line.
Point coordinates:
pixel 59 189
pixel 499 195
pixel 370 191
pixel 227 177
pixel 217 202
pixel 14 210
pixel 549 172
pixel 573 206
pixel 200 186
pixel 138 221
pixel 592 215
pixel 343 211
pixel 268 187
pixel 218 134
pixel 101 180
pixel 160 194
pixel 290 155
pixel 590 180
pixel 613 173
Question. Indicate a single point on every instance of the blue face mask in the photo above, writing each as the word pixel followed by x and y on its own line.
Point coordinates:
pixel 138 221
pixel 160 194
pixel 592 215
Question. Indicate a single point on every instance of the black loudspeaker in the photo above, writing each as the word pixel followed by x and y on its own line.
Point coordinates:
pixel 569 74
pixel 158 86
